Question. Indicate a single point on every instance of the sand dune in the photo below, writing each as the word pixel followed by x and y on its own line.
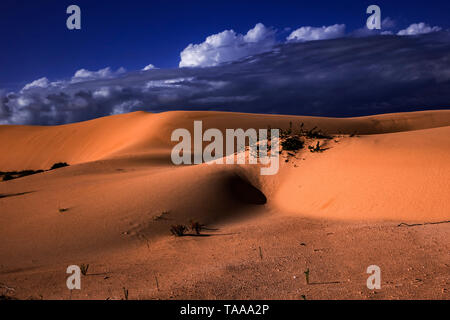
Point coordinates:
pixel 396 176
pixel 121 194
pixel 138 132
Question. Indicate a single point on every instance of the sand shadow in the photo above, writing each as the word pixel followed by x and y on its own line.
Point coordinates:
pixel 209 234
pixel 197 235
pixel 97 274
pixel 326 282
pixel 14 194
pixel 242 190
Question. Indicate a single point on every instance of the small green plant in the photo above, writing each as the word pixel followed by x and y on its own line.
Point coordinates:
pixel 84 269
pixel 293 143
pixel 178 230
pixel 125 293
pixel 307 275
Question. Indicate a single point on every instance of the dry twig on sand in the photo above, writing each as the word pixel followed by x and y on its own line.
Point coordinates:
pixel 421 224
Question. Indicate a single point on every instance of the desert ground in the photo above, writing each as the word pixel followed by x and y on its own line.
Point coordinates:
pixel 378 195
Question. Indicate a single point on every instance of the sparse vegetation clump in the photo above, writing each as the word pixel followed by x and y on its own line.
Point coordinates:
pixel 25 173
pixel 294 140
pixel 196 226
pixel 287 132
pixel 292 143
pixel 178 230
pixel 59 165
pixel 315 133
pixel 10 175
pixel 317 148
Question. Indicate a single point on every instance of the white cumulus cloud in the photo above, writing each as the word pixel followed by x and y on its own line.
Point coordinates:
pixel 39 83
pixel 105 73
pixel 418 28
pixel 149 67
pixel 228 46
pixel 317 33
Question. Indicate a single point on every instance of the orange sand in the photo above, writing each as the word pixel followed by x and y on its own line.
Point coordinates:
pixel 344 204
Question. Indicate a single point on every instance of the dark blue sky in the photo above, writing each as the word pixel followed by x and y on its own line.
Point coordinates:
pixel 132 34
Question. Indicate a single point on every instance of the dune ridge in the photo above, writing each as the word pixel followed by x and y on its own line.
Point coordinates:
pixel 38 147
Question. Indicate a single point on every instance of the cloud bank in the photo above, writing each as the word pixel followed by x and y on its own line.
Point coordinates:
pixel 348 76
pixel 227 46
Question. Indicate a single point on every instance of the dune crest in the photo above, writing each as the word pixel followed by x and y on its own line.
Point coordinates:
pixel 38 147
